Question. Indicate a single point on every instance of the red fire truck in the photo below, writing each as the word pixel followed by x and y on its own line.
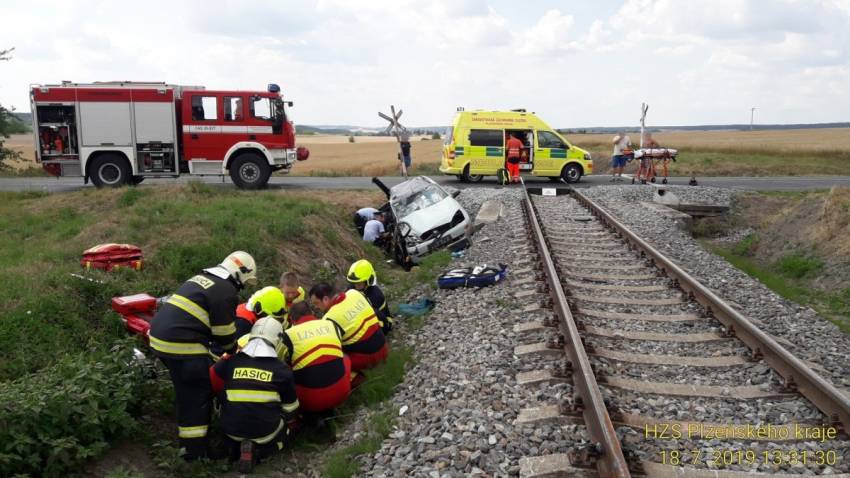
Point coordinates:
pixel 117 133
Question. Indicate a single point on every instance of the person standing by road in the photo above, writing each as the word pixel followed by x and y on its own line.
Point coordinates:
pixel 201 312
pixel 404 139
pixel 622 143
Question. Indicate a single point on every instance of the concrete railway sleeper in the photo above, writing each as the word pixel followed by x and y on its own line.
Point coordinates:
pixel 668 379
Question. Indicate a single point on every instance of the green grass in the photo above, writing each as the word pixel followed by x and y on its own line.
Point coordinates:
pixel 787 278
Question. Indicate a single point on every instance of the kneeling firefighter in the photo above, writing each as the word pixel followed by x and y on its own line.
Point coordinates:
pixel 266 302
pixel 200 314
pixel 258 398
pixel 362 277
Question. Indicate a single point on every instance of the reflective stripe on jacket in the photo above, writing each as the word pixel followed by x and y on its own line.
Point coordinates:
pixel 355 316
pixel 200 312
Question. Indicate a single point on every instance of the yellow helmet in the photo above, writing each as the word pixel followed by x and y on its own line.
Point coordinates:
pixel 362 271
pixel 241 267
pixel 268 301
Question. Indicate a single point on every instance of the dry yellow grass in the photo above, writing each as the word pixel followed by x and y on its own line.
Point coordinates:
pixel 768 141
pixel 372 158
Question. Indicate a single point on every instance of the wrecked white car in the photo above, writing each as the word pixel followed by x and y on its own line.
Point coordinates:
pixel 425 217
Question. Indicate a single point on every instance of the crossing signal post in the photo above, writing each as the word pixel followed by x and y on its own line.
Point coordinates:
pixel 395 128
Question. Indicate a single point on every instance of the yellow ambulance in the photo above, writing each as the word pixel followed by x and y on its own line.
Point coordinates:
pixel 474 147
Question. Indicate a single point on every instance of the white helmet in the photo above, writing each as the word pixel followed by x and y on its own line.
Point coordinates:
pixel 265 338
pixel 241 267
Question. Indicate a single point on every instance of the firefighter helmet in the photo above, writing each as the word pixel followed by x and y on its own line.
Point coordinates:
pixel 362 271
pixel 265 339
pixel 241 267
pixel 268 302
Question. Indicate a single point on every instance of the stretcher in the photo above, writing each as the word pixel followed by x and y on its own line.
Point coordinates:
pixel 649 159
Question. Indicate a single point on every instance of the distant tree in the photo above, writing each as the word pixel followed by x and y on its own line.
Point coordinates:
pixel 436 135
pixel 8 123
pixel 350 139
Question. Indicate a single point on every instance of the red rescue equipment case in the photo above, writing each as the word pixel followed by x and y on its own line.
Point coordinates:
pixel 112 256
pixel 136 311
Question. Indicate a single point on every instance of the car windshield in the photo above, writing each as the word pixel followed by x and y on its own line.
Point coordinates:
pixel 416 200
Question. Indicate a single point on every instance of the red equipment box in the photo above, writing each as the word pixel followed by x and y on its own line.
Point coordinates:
pixel 112 256
pixel 136 312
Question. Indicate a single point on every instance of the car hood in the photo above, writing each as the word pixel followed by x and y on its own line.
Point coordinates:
pixel 432 216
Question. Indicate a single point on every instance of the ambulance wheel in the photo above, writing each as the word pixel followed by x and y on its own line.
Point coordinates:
pixel 652 180
pixel 250 171
pixel 571 173
pixel 664 181
pixel 110 170
pixel 470 178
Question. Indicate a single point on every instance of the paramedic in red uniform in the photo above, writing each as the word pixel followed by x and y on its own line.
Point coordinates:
pixel 514 147
pixel 200 313
pixel 313 349
pixel 362 338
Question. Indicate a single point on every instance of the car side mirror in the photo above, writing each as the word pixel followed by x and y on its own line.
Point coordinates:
pixel 290 104
pixel 404 229
pixel 456 193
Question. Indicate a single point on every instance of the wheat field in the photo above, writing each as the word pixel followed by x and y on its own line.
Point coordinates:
pixel 720 153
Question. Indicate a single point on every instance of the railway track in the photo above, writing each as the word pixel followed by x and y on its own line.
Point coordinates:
pixel 667 379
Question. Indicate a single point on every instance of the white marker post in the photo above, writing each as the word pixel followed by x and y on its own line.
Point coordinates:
pixel 643 109
pixel 396 128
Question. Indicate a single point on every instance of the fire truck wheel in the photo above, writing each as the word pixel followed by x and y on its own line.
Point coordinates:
pixel 109 170
pixel 571 173
pixel 250 171
pixel 137 180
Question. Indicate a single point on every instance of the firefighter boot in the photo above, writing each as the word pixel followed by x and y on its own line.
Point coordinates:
pixel 247 457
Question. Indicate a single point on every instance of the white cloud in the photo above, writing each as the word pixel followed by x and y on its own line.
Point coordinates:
pixel 701 61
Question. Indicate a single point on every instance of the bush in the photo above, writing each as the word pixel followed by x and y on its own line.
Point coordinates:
pixel 54 420
pixel 798 266
pixel 435 136
pixel 351 139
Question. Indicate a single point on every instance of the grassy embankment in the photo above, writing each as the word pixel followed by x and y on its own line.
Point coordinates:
pixel 798 247
pixel 59 331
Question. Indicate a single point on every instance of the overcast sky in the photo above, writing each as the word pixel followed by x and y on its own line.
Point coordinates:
pixel 576 63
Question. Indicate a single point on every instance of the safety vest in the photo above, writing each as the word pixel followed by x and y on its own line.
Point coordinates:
pixel 311 341
pixel 355 317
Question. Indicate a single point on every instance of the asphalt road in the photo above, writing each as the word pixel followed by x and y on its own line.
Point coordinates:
pixel 295 183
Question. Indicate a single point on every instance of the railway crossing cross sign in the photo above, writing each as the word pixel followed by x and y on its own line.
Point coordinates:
pixel 396 128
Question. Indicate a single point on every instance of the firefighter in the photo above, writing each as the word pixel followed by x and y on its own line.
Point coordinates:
pixel 266 302
pixel 514 148
pixel 258 398
pixel 292 290
pixel 362 277
pixel 322 372
pixel 362 338
pixel 200 314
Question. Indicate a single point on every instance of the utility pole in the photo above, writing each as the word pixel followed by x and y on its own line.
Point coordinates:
pixel 643 109
pixel 752 115
pixel 396 128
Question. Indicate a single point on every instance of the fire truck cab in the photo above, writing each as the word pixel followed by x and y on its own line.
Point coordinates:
pixel 117 133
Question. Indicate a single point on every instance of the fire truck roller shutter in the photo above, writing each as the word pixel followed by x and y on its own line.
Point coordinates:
pixel 249 169
pixel 109 168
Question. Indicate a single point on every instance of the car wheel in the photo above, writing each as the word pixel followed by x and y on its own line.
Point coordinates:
pixel 571 173
pixel 471 178
pixel 250 171
pixel 110 170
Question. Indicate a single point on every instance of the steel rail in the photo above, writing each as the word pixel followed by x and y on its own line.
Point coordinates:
pixel 610 462
pixel 798 376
